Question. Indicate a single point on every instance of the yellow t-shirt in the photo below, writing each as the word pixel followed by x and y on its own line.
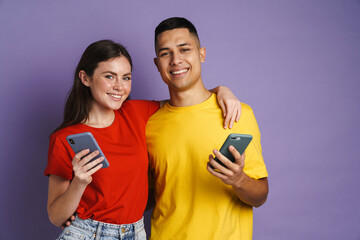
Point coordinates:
pixel 190 202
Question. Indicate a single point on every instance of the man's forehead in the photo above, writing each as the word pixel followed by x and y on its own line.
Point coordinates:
pixel 176 37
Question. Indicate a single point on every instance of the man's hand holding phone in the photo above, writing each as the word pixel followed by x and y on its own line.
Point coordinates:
pixel 228 165
pixel 232 174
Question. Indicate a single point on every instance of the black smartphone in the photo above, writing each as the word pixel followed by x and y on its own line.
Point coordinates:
pixel 86 140
pixel 240 143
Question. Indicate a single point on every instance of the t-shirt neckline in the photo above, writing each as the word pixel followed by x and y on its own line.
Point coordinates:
pixel 203 104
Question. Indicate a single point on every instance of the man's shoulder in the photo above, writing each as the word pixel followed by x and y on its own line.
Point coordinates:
pixel 245 108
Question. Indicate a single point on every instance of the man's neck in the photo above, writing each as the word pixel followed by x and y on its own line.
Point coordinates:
pixel 189 97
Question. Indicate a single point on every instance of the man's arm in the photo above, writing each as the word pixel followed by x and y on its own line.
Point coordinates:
pixel 250 191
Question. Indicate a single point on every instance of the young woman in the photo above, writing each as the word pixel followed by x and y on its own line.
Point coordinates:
pixel 108 202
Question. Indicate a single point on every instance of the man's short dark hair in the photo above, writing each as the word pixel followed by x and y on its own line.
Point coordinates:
pixel 174 23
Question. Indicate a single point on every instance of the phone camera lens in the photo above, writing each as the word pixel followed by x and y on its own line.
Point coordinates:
pixel 71 141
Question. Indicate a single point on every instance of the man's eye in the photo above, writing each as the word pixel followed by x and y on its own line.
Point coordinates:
pixel 127 78
pixel 164 54
pixel 185 49
pixel 109 77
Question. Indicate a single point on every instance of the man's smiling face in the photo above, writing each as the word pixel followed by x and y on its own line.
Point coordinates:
pixel 179 58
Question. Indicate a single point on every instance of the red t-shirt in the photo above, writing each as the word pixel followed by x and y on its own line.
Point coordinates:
pixel 117 194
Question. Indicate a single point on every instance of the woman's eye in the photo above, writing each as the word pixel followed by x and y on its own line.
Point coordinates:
pixel 109 77
pixel 127 78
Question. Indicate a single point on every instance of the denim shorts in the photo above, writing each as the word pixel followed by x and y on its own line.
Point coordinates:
pixel 89 229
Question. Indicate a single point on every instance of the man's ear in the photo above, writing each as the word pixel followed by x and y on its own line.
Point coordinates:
pixel 202 52
pixel 156 64
pixel 84 78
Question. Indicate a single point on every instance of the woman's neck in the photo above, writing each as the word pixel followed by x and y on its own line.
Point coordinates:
pixel 100 118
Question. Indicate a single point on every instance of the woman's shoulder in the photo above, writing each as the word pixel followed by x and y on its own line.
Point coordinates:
pixel 64 132
pixel 140 104
pixel 142 108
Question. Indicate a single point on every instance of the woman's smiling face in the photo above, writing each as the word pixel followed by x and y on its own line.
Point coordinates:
pixel 110 84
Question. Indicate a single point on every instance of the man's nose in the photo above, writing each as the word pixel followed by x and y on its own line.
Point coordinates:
pixel 176 59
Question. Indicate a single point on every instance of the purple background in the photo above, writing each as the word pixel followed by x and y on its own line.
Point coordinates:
pixel 297 63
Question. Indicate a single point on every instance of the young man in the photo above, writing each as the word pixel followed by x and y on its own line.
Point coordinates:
pixel 194 201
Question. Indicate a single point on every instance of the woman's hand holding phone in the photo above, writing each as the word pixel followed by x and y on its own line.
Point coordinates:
pixel 83 168
pixel 65 195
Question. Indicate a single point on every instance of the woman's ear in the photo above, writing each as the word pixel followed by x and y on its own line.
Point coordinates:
pixel 84 78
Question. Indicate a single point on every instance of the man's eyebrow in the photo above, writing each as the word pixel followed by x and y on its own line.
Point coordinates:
pixel 163 49
pixel 184 44
pixel 179 45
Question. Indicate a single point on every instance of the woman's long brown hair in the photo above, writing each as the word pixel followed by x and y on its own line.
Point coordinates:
pixel 79 100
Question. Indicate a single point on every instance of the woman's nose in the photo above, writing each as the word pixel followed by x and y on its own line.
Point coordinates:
pixel 118 84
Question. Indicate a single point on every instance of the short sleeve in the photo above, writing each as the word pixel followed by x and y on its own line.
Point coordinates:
pixel 254 162
pixel 59 158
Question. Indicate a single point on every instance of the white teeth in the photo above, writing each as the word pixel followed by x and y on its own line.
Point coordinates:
pixel 115 96
pixel 179 72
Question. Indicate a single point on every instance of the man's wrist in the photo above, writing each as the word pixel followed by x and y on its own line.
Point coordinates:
pixel 241 182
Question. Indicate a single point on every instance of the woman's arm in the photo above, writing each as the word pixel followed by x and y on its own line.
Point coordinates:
pixel 229 103
pixel 64 196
